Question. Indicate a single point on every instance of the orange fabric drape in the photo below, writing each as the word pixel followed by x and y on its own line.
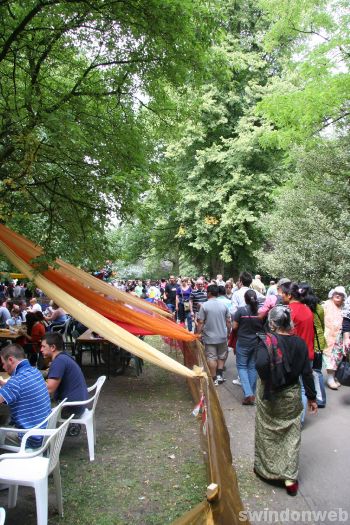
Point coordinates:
pixel 109 307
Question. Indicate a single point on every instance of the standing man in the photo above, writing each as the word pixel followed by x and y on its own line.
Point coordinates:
pixel 197 298
pixel 138 288
pixel 65 378
pixel 25 393
pixel 170 293
pixel 214 321
pixel 17 291
pixel 244 283
pixel 219 280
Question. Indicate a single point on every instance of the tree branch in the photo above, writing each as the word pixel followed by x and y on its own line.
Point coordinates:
pixel 330 122
pixel 311 32
pixel 14 35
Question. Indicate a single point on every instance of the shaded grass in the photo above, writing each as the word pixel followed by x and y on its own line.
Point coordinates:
pixel 149 468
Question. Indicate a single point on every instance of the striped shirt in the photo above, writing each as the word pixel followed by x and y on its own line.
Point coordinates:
pixel 28 398
pixel 198 297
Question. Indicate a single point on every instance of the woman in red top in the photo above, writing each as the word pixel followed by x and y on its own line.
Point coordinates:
pixel 303 321
pixel 302 316
pixel 34 335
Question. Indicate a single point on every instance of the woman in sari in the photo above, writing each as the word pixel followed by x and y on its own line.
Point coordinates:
pixel 333 321
pixel 279 410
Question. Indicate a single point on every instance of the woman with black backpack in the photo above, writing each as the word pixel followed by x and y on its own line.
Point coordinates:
pixel 281 358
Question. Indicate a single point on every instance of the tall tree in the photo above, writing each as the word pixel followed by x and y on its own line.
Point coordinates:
pixel 306 113
pixel 308 229
pixel 223 177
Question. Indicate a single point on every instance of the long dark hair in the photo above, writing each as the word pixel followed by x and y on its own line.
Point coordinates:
pixel 308 296
pixel 251 300
pixel 31 319
pixel 292 289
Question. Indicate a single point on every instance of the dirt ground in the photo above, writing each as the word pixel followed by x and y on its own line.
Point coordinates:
pixel 148 468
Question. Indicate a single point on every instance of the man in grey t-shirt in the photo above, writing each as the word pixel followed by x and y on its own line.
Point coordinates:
pixel 214 323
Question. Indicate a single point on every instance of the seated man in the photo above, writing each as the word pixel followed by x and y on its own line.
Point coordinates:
pixel 25 393
pixel 4 316
pixel 65 378
pixel 34 306
pixel 56 316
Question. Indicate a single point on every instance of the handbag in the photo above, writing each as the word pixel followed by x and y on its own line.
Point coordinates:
pixel 343 372
pixel 186 304
pixel 232 341
pixel 317 362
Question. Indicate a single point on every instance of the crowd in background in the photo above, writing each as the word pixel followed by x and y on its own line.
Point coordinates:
pixel 324 326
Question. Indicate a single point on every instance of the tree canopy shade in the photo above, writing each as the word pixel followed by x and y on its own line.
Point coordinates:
pixel 271 122
pixel 75 78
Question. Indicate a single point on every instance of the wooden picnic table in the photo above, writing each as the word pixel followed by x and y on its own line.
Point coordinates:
pixel 99 346
pixel 6 334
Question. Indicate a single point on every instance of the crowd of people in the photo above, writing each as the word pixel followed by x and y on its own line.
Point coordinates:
pixel 25 393
pixel 283 338
pixel 29 316
pixel 325 327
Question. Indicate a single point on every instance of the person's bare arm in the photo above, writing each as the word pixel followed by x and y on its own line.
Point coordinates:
pixel 52 385
pixel 200 325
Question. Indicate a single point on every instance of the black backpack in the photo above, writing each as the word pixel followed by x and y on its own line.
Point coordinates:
pixel 278 365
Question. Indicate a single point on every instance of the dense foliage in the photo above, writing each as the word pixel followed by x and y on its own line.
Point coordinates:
pixel 214 134
pixel 75 77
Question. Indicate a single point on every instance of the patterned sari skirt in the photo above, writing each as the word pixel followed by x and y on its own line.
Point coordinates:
pixel 278 433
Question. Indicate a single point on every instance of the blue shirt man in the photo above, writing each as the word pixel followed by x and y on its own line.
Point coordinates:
pixel 65 378
pixel 25 392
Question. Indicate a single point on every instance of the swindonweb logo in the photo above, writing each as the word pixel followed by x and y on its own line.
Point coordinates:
pixel 295 516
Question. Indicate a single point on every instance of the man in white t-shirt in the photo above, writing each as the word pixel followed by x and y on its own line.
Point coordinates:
pixel 34 306
pixel 244 282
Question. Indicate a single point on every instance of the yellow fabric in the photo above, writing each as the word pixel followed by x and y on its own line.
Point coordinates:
pixel 14 275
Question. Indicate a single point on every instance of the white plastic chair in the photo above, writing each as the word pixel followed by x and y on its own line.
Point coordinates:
pixel 66 326
pixel 2 516
pixel 88 416
pixel 31 469
pixel 50 421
